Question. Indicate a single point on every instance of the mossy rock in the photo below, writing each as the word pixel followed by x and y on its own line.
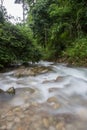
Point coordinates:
pixel 11 90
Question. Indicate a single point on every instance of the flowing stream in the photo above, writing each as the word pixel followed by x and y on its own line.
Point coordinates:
pixel 60 93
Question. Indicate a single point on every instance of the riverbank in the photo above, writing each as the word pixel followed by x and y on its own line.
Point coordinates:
pixel 64 60
pixel 74 63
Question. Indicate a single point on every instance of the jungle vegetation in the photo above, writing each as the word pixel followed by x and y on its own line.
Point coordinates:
pixel 54 29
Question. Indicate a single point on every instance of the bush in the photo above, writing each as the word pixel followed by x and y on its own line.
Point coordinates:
pixel 49 52
pixel 78 52
pixel 16 46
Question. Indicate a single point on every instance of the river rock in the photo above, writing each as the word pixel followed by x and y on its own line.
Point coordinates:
pixel 54 102
pixel 59 79
pixel 17 109
pixel 31 71
pixel 52 99
pixel 51 128
pixel 48 81
pixel 10 118
pixel 17 120
pixel 53 89
pixel 82 113
pixel 1 91
pixel 60 126
pixel 46 122
pixel 3 127
pixel 11 90
pixel 56 105
pixel 70 127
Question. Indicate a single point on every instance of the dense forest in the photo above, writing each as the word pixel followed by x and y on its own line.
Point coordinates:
pixel 54 30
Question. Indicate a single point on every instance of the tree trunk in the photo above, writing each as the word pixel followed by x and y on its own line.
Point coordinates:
pixel 23 12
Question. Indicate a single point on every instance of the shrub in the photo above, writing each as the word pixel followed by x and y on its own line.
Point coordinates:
pixel 16 46
pixel 78 51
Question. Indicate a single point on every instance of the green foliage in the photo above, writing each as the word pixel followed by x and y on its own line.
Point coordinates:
pixel 78 51
pixel 55 28
pixel 49 52
pixel 16 46
pixel 39 21
pixel 56 25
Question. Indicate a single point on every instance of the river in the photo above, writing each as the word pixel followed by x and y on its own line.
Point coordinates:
pixel 55 99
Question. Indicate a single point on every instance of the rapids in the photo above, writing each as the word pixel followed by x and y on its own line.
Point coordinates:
pixel 64 88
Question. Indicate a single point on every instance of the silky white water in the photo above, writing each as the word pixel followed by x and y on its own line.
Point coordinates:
pixel 70 89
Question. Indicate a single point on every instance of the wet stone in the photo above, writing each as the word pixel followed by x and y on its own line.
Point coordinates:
pixel 52 99
pixel 59 79
pixel 34 104
pixel 17 119
pixel 56 106
pixel 51 128
pixel 3 127
pixel 17 109
pixel 11 118
pixel 9 126
pixel 25 107
pixel 21 72
pixel 67 118
pixel 22 116
pixel 9 113
pixel 46 122
pixel 11 90
pixel 20 128
pixel 53 89
pixel 1 91
pixel 60 126
pixel 70 127
pixel 82 113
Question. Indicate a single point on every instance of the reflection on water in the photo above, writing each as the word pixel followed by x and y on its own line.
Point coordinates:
pixel 62 90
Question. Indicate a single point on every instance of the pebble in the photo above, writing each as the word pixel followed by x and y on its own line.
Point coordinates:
pixel 9 119
pixel 17 109
pixel 3 127
pixel 17 120
pixel 51 128
pixel 56 106
pixel 25 107
pixel 35 104
pixel 70 127
pixel 9 126
pixel 46 122
pixel 52 99
pixel 60 126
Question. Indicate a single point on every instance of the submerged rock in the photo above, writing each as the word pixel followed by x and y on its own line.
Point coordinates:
pixel 58 79
pixel 52 99
pixel 53 89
